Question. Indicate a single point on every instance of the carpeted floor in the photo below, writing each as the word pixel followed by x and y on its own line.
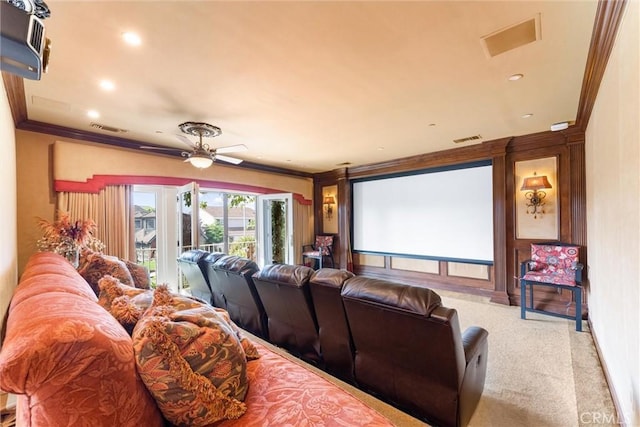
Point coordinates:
pixel 540 372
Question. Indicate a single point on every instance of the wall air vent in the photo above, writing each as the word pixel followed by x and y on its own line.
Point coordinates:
pixel 467 139
pixel 107 128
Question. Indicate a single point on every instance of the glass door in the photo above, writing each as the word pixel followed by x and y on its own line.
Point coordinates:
pixel 275 229
pixel 156 232
pixel 188 217
pixel 188 225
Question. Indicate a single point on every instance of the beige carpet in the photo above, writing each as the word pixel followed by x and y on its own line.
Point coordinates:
pixel 540 372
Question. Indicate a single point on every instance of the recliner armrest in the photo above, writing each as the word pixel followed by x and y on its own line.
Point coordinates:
pixel 474 341
pixel 476 351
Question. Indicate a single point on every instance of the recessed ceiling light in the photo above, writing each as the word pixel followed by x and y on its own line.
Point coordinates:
pixel 131 38
pixel 93 114
pixel 380 148
pixel 107 85
pixel 515 77
pixel 526 116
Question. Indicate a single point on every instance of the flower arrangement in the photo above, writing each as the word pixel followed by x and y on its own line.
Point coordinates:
pixel 66 237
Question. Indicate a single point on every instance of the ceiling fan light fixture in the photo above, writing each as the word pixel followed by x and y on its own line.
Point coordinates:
pixel 201 161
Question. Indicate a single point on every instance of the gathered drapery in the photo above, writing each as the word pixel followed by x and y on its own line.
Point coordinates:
pixel 111 209
pixel 302 228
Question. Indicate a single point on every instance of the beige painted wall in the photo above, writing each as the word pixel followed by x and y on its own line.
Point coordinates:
pixel 8 213
pixel 73 161
pixel 613 217
pixel 78 160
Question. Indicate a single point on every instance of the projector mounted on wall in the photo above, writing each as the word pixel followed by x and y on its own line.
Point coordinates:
pixel 24 48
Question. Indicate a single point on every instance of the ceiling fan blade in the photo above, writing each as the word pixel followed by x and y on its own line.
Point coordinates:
pixel 232 149
pixel 228 159
pixel 185 140
pixel 149 147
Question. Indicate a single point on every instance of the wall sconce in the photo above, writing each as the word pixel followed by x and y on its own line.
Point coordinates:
pixel 328 203
pixel 535 197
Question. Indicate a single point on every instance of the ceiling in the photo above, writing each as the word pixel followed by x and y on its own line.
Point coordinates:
pixel 312 86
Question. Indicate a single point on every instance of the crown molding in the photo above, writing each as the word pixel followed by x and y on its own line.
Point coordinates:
pixel 605 28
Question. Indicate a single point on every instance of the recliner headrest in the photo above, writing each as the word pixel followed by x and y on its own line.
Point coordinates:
pixel 413 299
pixel 194 256
pixel 213 257
pixel 330 277
pixel 236 264
pixel 285 274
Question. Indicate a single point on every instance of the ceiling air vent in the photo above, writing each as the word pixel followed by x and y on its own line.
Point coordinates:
pixel 467 139
pixel 512 37
pixel 107 128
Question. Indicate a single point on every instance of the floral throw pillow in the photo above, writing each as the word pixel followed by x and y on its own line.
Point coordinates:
pixel 162 296
pixel 191 361
pixel 111 288
pixel 97 265
pixel 139 274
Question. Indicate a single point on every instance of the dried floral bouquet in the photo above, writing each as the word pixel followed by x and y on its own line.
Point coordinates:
pixel 64 236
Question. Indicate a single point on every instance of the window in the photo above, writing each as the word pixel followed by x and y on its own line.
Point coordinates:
pixel 226 224
pixel 144 204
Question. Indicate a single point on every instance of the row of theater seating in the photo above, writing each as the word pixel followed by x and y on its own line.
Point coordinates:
pixel 393 340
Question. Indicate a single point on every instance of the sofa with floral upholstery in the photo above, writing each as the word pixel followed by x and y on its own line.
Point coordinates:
pixel 142 357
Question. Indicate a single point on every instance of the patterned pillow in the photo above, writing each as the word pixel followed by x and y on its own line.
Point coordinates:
pixel 97 265
pixel 250 350
pixel 191 361
pixel 112 288
pixel 162 296
pixel 139 274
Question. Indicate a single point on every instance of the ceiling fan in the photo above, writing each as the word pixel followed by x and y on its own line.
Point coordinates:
pixel 202 155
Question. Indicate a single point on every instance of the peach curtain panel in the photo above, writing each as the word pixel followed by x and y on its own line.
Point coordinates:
pixel 112 211
pixel 302 228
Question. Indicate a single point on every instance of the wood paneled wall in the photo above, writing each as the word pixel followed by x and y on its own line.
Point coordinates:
pixel 500 284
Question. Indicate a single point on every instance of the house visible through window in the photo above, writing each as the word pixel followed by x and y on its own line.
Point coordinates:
pixel 144 204
pixel 227 224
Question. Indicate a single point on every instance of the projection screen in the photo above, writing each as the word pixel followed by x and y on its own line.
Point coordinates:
pixel 444 213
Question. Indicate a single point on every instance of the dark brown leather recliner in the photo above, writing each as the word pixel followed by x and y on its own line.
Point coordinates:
pixel 335 337
pixel 191 264
pixel 216 299
pixel 232 276
pixel 410 352
pixel 292 324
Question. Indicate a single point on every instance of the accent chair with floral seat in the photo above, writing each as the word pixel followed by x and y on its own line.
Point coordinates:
pixel 553 265
pixel 321 250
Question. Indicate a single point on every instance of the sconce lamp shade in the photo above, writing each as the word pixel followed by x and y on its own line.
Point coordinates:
pixel 329 200
pixel 535 182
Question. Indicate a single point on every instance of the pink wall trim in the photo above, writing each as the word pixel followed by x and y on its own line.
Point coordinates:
pixel 98 182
